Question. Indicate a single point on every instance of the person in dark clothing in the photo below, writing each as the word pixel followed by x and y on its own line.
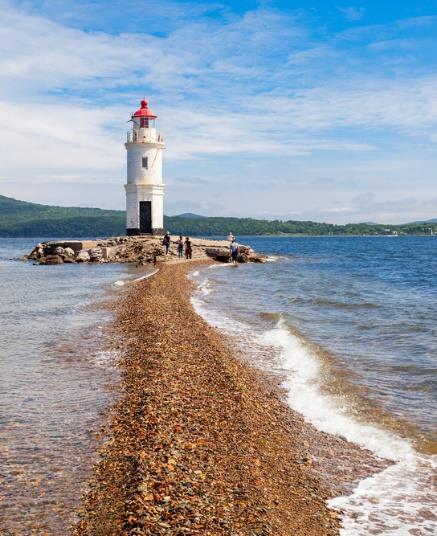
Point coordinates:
pixel 166 242
pixel 188 249
pixel 180 247
pixel 234 250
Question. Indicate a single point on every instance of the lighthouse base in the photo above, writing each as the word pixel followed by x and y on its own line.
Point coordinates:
pixel 132 232
pixel 154 232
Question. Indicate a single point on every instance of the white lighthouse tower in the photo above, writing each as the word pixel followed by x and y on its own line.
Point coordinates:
pixel 144 188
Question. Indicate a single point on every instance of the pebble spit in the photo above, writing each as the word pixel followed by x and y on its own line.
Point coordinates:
pixel 198 442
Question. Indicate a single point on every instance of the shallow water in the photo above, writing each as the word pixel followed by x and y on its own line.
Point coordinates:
pixel 350 322
pixel 57 377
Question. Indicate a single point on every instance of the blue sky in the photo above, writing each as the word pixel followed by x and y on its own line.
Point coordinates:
pixel 303 110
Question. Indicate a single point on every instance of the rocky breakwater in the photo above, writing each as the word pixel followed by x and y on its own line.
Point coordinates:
pixel 133 249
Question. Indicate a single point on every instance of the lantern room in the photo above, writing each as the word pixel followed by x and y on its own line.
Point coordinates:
pixel 143 126
pixel 144 117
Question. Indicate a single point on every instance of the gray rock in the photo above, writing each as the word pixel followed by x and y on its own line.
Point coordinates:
pixel 37 252
pixel 69 252
pixel 83 256
pixel 95 254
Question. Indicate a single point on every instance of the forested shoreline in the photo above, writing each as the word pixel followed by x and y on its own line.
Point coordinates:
pixel 23 219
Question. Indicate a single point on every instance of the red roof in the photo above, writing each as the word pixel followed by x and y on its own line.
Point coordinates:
pixel 144 111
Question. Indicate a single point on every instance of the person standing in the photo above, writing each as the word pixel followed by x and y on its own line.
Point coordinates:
pixel 188 248
pixel 180 243
pixel 234 249
pixel 230 237
pixel 166 242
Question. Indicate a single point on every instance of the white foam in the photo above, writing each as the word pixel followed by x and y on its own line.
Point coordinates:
pixel 146 276
pixel 122 283
pixel 391 502
pixel 105 358
pixel 328 413
pixel 220 265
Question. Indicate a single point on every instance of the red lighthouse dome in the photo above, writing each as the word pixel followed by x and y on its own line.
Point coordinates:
pixel 144 111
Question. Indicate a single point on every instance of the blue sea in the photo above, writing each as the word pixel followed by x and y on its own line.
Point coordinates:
pixel 349 324
pixel 57 379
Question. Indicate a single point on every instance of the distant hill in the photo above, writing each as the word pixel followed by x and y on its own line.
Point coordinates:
pixel 424 222
pixel 20 218
pixel 23 219
pixel 189 215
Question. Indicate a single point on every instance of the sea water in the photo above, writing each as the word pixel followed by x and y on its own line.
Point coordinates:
pixel 349 324
pixel 57 376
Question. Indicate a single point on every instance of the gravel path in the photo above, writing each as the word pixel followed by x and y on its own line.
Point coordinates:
pixel 199 443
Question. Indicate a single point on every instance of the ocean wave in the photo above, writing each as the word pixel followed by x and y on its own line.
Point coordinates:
pixel 341 304
pixel 397 500
pixel 220 265
pixel 327 413
pixel 275 258
pixel 123 282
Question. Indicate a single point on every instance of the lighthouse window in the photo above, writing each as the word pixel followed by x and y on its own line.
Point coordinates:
pixel 144 122
pixel 145 162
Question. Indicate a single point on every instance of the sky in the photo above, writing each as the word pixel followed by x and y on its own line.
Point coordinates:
pixel 300 109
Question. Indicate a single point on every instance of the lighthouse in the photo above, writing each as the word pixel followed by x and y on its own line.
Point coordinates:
pixel 144 187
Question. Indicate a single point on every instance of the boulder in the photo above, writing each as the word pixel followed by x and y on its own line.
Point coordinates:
pixel 223 257
pixel 69 252
pixel 37 252
pixel 95 254
pixel 257 257
pixel 54 259
pixel 83 256
pixel 59 251
pixel 108 252
pixel 218 253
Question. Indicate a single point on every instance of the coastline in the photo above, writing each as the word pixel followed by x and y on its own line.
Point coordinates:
pixel 199 442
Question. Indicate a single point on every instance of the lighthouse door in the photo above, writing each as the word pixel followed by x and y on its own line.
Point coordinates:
pixel 145 217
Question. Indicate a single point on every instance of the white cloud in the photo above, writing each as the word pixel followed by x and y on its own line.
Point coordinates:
pixel 57 142
pixel 250 89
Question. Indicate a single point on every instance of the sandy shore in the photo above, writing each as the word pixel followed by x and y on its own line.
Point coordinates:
pixel 199 443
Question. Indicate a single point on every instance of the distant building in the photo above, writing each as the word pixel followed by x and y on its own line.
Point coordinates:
pixel 144 187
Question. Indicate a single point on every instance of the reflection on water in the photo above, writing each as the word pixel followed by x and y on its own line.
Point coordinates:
pixel 56 374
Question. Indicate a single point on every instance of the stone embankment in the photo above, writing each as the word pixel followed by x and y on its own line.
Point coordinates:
pixel 133 249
